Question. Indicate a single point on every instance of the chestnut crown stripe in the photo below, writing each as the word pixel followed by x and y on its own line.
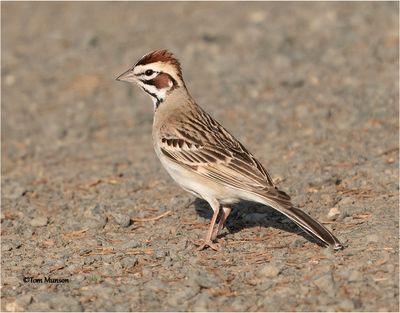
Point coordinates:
pixel 161 56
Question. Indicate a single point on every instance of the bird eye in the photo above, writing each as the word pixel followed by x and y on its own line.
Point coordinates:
pixel 149 72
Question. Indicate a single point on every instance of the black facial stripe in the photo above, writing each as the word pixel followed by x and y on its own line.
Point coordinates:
pixel 151 94
pixel 154 96
pixel 148 82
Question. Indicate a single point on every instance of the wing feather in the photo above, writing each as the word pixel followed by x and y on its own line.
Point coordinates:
pixel 203 145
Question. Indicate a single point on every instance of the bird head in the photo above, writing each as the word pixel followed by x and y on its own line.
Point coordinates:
pixel 157 73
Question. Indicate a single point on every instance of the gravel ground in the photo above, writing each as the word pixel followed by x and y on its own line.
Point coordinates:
pixel 310 88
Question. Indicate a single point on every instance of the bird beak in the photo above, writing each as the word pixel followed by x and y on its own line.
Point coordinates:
pixel 127 76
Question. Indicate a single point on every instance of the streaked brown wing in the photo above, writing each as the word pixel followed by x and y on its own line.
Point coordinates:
pixel 224 160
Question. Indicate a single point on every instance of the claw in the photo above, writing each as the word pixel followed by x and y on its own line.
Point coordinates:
pixel 204 244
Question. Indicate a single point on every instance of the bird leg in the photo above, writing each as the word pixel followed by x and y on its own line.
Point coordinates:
pixel 225 213
pixel 207 242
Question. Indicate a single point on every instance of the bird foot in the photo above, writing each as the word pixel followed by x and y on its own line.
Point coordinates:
pixel 202 244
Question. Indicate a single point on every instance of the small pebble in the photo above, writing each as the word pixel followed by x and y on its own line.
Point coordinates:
pixel 159 254
pixel 40 307
pixel 355 276
pixel 13 190
pixel 326 284
pixel 372 238
pixel 167 262
pixel 155 285
pixel 333 214
pixel 72 268
pixel 6 247
pixel 345 203
pixel 79 278
pixel 64 303
pixel 239 304
pixel 203 279
pixel 298 242
pixel 14 307
pixel 201 303
pixel 28 232
pixel 347 305
pixel 129 244
pixel 39 221
pixel 129 262
pixel 89 260
pixel 122 220
pixel 24 300
pixel 38 261
pixel 95 223
pixel 270 271
pixel 265 285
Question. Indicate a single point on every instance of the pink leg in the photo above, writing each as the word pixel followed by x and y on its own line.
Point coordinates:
pixel 207 242
pixel 226 211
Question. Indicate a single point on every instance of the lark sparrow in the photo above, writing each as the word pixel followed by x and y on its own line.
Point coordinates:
pixel 202 156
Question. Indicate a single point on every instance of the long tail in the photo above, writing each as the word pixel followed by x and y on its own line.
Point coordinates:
pixel 306 222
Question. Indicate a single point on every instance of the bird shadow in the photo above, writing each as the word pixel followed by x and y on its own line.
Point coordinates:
pixel 238 220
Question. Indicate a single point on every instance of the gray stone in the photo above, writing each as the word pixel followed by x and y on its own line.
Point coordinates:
pixel 40 307
pixel 333 214
pixel 6 247
pixel 188 292
pixel 107 258
pixel 298 242
pixel 201 302
pixel 159 254
pixel 89 260
pixel 372 238
pixel 95 223
pixel 79 278
pixel 167 262
pixel 355 276
pixel 12 307
pixel 122 220
pixel 42 297
pixel 64 303
pixel 39 221
pixel 99 209
pixel 326 284
pixel 147 273
pixel 72 268
pixel 155 285
pixel 38 261
pixel 270 271
pixel 129 262
pixel 117 266
pixel 12 190
pixel 24 300
pixel 129 244
pixel 265 285
pixel 347 305
pixel 239 304
pixel 203 279
pixel 28 232
pixel 346 203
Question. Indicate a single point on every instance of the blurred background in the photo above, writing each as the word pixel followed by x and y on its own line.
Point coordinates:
pixel 310 88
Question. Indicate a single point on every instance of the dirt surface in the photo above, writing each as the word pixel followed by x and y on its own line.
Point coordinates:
pixel 311 90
